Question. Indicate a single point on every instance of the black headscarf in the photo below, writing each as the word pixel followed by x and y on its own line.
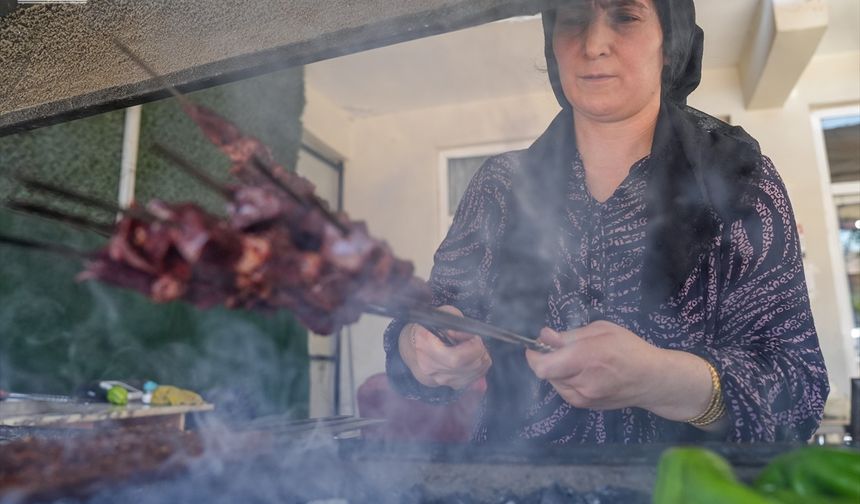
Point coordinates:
pixel 700 166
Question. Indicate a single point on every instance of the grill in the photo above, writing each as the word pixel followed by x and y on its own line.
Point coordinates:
pixel 273 462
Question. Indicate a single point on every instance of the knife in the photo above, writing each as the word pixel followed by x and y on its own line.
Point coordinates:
pixel 18 396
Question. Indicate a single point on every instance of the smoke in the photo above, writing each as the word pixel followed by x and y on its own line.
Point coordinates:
pixel 262 469
pixel 249 368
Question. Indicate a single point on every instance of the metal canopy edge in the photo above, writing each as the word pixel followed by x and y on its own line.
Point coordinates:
pixel 215 50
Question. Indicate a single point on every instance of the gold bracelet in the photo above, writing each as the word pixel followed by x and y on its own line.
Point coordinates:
pixel 716 406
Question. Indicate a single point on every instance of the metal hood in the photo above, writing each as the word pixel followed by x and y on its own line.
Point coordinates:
pixel 57 61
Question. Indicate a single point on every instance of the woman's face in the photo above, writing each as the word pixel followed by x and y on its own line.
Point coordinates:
pixel 610 56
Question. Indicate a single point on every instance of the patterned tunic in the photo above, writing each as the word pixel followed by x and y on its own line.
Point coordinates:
pixel 744 308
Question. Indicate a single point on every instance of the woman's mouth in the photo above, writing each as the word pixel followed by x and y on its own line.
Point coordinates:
pixel 596 77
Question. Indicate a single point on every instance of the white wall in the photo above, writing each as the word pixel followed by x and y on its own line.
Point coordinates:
pixel 391 178
pixel 328 129
pixel 327 122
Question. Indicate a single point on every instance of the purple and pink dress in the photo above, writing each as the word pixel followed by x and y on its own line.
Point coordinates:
pixel 743 307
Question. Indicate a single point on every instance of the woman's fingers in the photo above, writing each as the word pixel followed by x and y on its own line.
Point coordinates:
pixel 464 376
pixel 551 338
pixel 457 356
pixel 565 362
pixel 552 366
pixel 450 309
pixel 457 336
pixel 455 366
pixel 460 377
pixel 558 339
pixel 425 340
pixel 571 394
pixel 601 366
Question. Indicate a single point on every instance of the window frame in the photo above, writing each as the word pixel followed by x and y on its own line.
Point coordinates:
pixel 444 219
pixel 830 193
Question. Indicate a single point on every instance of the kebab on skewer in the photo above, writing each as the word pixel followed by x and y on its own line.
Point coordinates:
pixel 279 246
pixel 271 251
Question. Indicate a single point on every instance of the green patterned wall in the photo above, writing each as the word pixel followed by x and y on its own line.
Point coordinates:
pixel 258 106
pixel 56 333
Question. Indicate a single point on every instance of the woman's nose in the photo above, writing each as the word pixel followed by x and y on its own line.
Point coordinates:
pixel 598 38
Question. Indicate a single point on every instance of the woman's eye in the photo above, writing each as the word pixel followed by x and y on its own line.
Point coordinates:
pixel 574 16
pixel 574 22
pixel 624 18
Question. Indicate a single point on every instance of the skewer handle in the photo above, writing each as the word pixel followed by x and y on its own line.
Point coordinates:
pixel 442 336
pixel 435 320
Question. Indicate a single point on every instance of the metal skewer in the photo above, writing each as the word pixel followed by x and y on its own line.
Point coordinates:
pixel 57 215
pixel 84 199
pixel 255 161
pixel 443 337
pixel 189 168
pixel 151 71
pixel 265 170
pixel 330 425
pixel 439 320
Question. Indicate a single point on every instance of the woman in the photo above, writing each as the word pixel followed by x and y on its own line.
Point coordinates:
pixel 651 244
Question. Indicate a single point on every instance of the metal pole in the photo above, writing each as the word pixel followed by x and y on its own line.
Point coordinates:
pixel 128 165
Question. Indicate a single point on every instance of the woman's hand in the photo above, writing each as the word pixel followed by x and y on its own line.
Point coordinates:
pixel 433 364
pixel 605 366
pixel 598 366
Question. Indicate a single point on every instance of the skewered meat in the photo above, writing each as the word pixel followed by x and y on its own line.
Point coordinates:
pixel 242 150
pixel 278 246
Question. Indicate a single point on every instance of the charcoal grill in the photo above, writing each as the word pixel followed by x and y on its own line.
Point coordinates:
pixel 267 462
